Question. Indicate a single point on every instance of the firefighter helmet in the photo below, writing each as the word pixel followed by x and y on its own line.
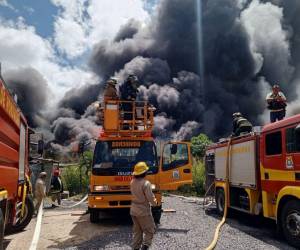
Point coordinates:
pixel 237 114
pixel 132 79
pixel 140 168
pixel 42 174
pixel 112 81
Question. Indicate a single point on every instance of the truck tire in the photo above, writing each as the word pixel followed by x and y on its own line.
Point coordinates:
pixel 28 213
pixel 290 222
pixel 94 216
pixel 1 230
pixel 220 201
pixel 156 213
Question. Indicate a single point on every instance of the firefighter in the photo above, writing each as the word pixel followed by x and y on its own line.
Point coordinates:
pixel 276 104
pixel 240 124
pixel 140 211
pixel 129 91
pixel 110 92
pixel 40 190
pixel 56 187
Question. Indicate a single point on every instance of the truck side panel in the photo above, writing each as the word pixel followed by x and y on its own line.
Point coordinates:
pixel 8 179
pixel 243 169
pixel 10 119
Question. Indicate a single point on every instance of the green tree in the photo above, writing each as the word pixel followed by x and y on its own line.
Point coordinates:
pixel 199 144
pixel 76 177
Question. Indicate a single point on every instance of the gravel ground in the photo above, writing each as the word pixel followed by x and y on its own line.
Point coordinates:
pixel 190 227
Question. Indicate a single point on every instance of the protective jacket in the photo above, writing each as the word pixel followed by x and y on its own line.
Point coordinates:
pixel 56 184
pixel 40 189
pixel 241 124
pixel 274 104
pixel 128 91
pixel 110 92
pixel 142 197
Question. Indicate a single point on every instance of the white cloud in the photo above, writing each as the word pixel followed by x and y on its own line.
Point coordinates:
pixel 5 3
pixel 70 37
pixel 21 46
pixel 81 24
pixel 108 15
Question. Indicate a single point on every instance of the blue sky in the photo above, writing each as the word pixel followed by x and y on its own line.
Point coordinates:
pixel 56 37
pixel 39 14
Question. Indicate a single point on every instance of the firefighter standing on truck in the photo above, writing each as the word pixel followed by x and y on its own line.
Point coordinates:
pixel 140 211
pixel 110 92
pixel 129 91
pixel 240 124
pixel 276 104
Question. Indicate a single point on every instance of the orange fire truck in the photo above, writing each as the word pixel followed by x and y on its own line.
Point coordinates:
pixel 15 202
pixel 264 174
pixel 126 139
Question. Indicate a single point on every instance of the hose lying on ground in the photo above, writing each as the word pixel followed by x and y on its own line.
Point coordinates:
pixel 74 205
pixel 37 230
pixel 38 225
pixel 217 231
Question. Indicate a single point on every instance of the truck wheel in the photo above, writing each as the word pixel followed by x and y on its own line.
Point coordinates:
pixel 1 229
pixel 290 222
pixel 220 201
pixel 94 216
pixel 28 212
pixel 156 213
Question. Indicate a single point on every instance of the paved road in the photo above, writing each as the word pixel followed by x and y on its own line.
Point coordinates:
pixel 190 227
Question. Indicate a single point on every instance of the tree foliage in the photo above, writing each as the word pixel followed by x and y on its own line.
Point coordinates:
pixel 199 144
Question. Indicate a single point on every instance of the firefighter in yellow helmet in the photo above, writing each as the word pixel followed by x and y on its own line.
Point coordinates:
pixel 140 211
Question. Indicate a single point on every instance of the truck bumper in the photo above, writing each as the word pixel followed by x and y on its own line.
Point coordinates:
pixel 111 201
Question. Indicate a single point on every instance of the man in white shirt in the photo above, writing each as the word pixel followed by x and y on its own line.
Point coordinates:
pixel 276 104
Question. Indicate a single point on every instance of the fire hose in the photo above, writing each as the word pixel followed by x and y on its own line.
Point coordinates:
pixel 74 205
pixel 221 223
pixel 37 231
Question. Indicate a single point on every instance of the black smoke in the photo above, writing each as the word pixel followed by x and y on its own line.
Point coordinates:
pixel 196 65
pixel 78 99
pixel 32 93
pixel 128 30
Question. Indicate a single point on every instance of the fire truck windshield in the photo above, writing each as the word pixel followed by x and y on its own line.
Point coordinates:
pixel 119 157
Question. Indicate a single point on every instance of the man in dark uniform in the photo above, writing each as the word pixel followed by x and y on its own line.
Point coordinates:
pixel 128 92
pixel 240 124
pixel 129 89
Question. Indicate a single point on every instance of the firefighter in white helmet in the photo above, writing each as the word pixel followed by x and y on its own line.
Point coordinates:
pixel 140 211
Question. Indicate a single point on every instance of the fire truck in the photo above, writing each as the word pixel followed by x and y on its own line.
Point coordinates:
pixel 15 200
pixel 264 174
pixel 126 139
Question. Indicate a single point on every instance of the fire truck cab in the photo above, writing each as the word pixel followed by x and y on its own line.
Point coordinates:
pixel 126 139
pixel 264 174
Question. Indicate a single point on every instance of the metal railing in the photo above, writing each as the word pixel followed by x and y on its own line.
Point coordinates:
pixel 127 116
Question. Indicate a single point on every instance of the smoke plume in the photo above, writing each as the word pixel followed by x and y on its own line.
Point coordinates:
pixel 32 92
pixel 196 66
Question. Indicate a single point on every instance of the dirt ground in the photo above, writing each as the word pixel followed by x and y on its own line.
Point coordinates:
pixel 189 227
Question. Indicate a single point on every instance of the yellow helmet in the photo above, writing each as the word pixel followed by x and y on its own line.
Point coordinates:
pixel 140 168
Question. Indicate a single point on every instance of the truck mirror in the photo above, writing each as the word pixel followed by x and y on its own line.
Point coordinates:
pixel 174 149
pixel 40 147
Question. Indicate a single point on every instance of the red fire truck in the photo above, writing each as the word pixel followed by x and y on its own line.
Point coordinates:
pixel 15 201
pixel 264 174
